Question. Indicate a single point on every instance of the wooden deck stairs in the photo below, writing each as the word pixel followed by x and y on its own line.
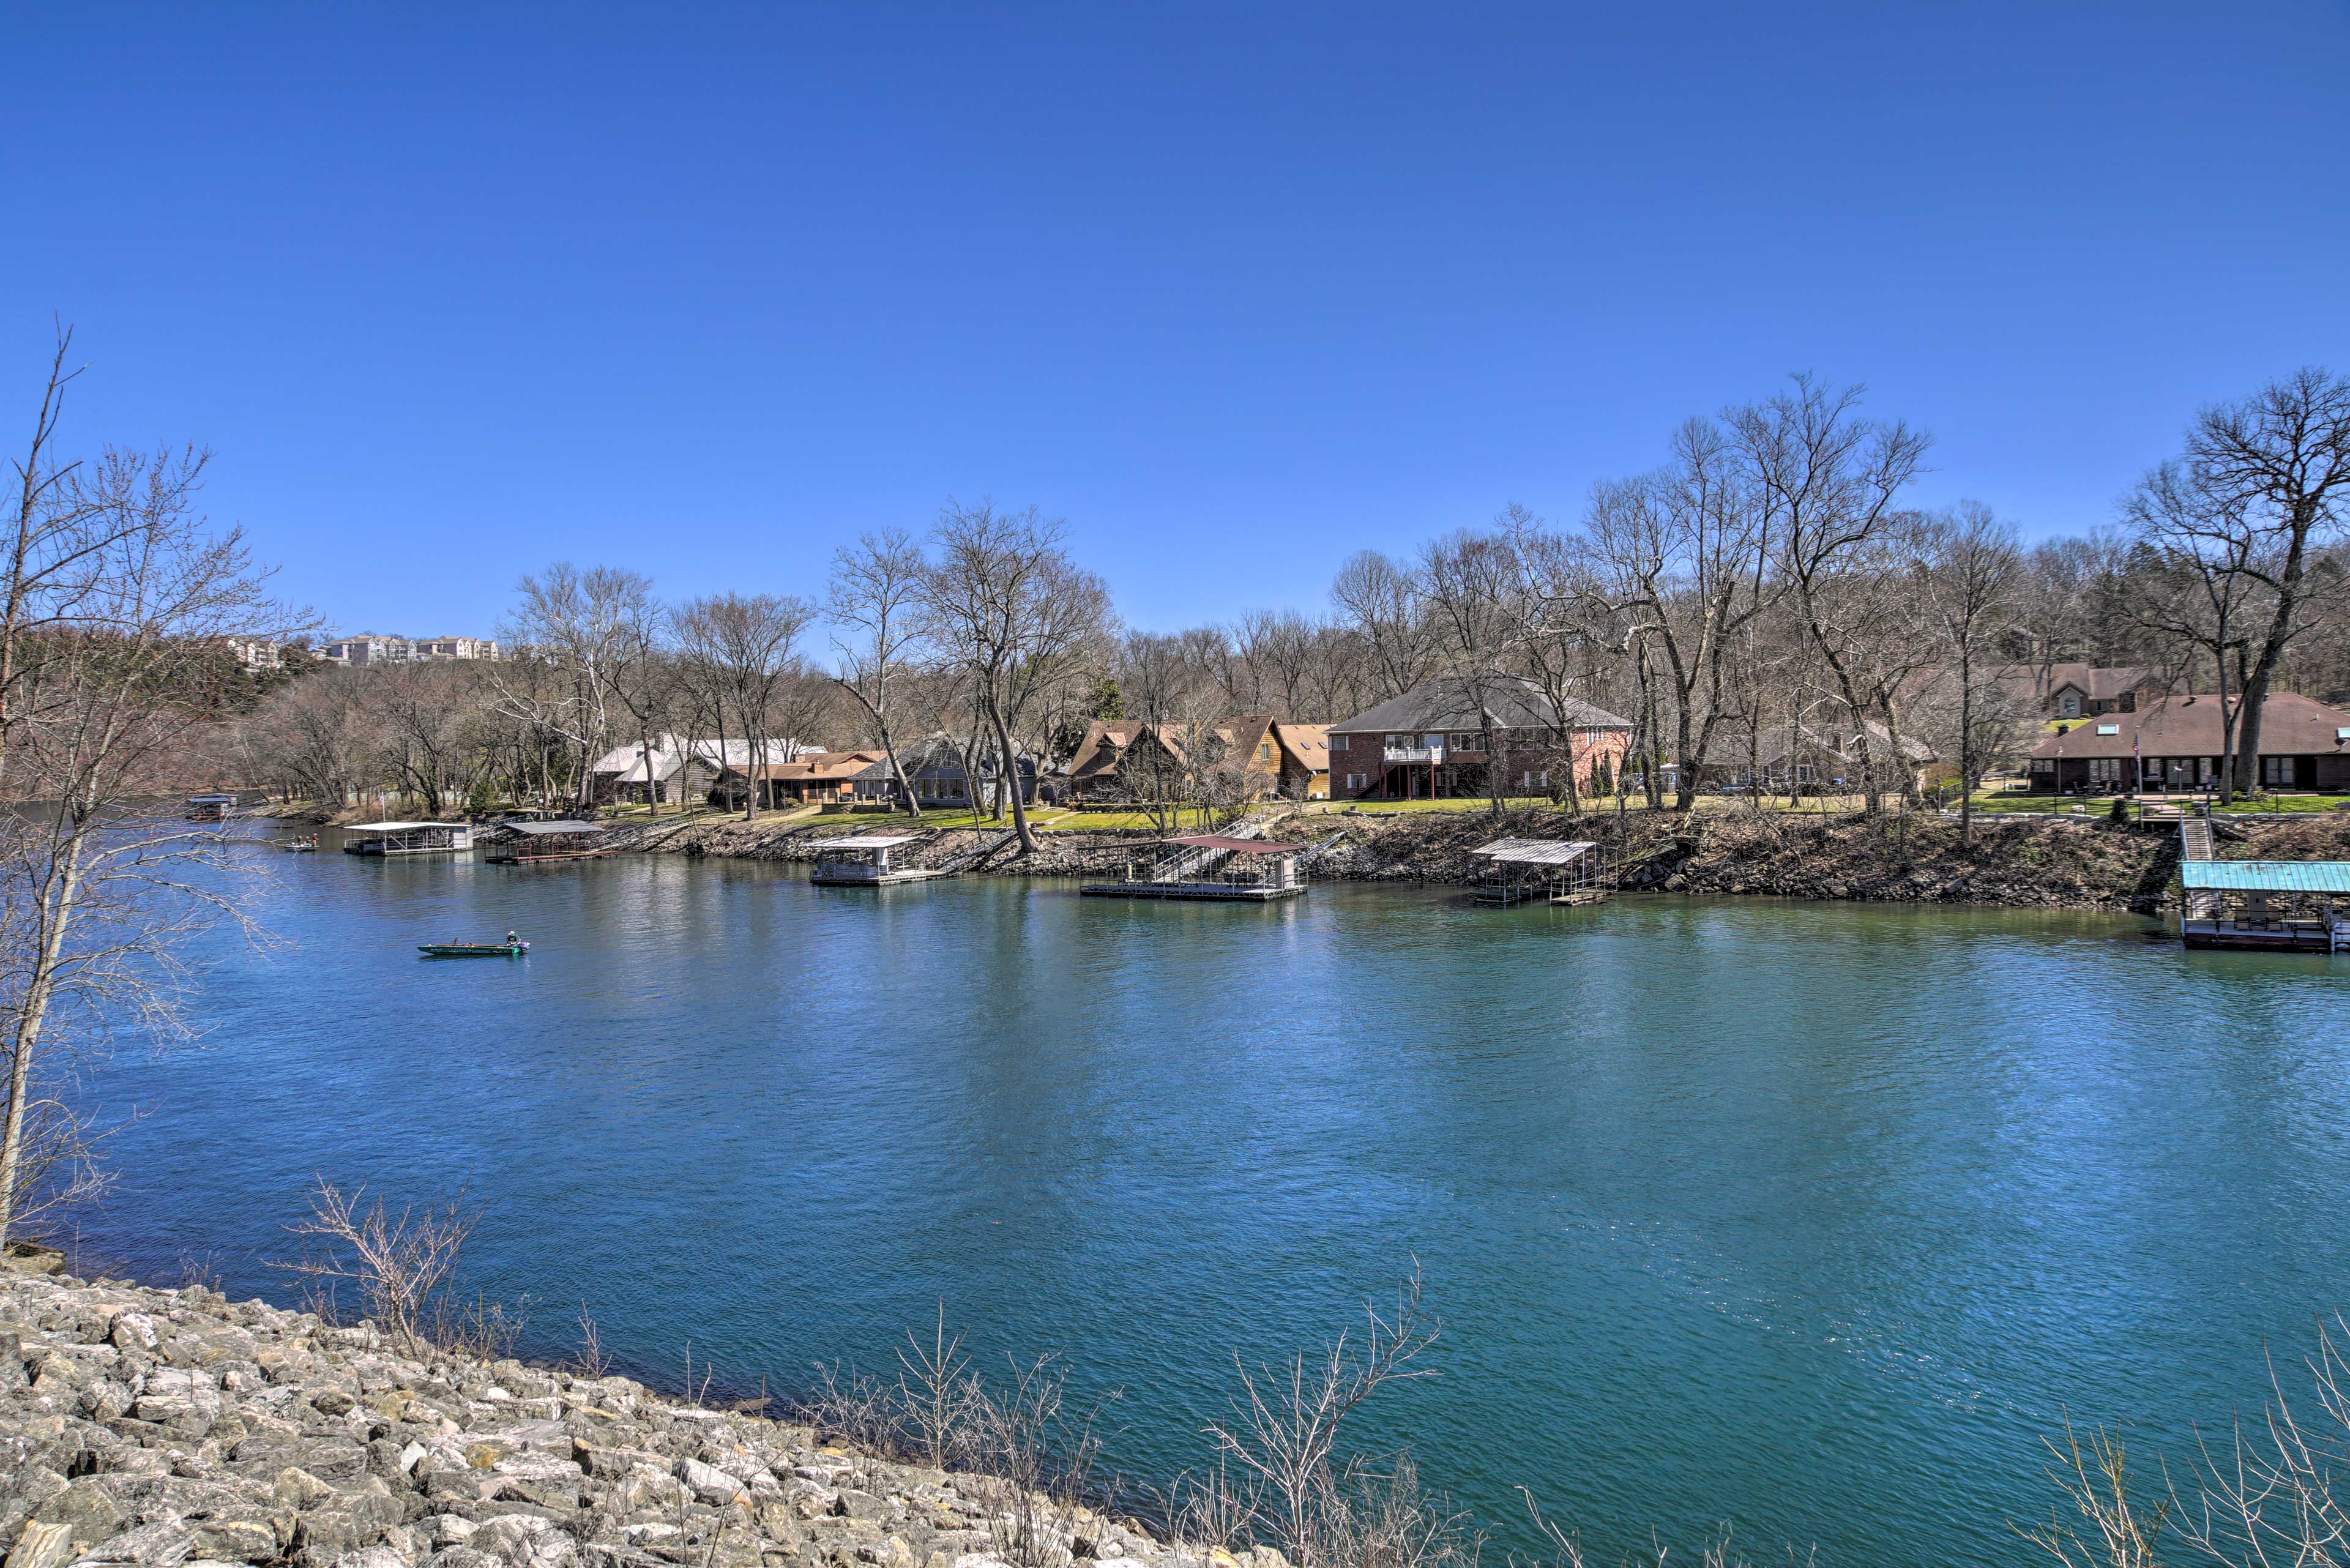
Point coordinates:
pixel 1199 865
pixel 2195 844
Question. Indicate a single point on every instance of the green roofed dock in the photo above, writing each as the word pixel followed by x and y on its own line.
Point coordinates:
pixel 2276 906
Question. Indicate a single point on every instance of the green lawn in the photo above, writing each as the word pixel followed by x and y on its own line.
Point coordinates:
pixel 2099 805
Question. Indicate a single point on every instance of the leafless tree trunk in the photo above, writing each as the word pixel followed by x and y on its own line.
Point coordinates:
pixel 747 642
pixel 1009 605
pixel 876 589
pixel 2206 544
pixel 581 623
pixel 97 897
pixel 1825 481
pixel 2281 459
pixel 1383 601
pixel 1968 566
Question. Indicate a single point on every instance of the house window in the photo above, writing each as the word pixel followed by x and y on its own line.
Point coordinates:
pixel 1463 742
pixel 1539 779
pixel 2105 770
pixel 1265 751
pixel 2276 770
pixel 1338 743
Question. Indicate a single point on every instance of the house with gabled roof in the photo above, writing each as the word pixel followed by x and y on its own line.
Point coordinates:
pixel 2174 743
pixel 1444 738
pixel 2076 691
pixel 1117 757
pixel 1305 752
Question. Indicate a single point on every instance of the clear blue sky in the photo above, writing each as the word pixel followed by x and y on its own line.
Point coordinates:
pixel 1237 290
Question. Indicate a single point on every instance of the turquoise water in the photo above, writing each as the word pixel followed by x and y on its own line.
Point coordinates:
pixel 1809 1218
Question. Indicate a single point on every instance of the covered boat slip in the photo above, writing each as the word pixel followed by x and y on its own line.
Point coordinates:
pixel 862 860
pixel 1212 868
pixel 2277 906
pixel 408 838
pixel 1558 871
pixel 542 842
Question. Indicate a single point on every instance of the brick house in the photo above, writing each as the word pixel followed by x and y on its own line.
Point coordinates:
pixel 1441 738
pixel 2173 743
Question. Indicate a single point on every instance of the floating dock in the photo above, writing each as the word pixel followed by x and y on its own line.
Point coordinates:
pixel 2272 906
pixel 1192 869
pixel 542 842
pixel 1556 871
pixel 1221 892
pixel 408 838
pixel 862 860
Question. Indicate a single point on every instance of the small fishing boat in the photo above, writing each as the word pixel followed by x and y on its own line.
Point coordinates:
pixel 513 947
pixel 300 845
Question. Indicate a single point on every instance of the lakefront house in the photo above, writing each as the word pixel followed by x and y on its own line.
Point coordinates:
pixel 1117 757
pixel 2174 743
pixel 1442 739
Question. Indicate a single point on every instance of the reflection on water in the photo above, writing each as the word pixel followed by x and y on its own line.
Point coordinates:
pixel 1734 1210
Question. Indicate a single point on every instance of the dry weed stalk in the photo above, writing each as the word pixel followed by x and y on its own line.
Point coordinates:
pixel 402 1266
pixel 1286 1436
pixel 589 1360
pixel 937 1396
pixel 2122 1533
pixel 2278 1495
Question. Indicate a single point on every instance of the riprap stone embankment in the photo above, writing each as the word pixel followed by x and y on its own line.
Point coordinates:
pixel 174 1428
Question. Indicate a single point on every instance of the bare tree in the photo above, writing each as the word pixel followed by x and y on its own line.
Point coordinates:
pixel 1384 606
pixel 2202 542
pixel 2280 459
pixel 1682 555
pixel 99 896
pixel 1968 568
pixel 2124 1530
pixel 1471 583
pixel 1278 646
pixel 636 671
pixel 744 646
pixel 402 1264
pixel 1825 481
pixel 52 546
pixel 582 624
pixel 1007 604
pixel 876 595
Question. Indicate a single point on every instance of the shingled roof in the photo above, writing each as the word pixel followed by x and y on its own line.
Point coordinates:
pixel 1500 703
pixel 2291 725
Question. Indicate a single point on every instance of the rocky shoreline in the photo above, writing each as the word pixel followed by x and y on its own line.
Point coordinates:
pixel 2037 862
pixel 173 1429
pixel 2015 861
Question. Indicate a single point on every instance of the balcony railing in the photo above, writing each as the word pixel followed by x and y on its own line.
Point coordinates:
pixel 1415 754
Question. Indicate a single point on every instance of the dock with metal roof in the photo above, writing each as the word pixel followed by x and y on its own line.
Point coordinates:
pixel 863 861
pixel 1212 868
pixel 565 838
pixel 2277 906
pixel 1558 870
pixel 408 838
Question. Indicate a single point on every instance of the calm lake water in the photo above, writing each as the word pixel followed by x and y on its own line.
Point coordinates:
pixel 1808 1217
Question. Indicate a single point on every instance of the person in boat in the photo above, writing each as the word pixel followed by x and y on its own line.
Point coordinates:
pixel 513 940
